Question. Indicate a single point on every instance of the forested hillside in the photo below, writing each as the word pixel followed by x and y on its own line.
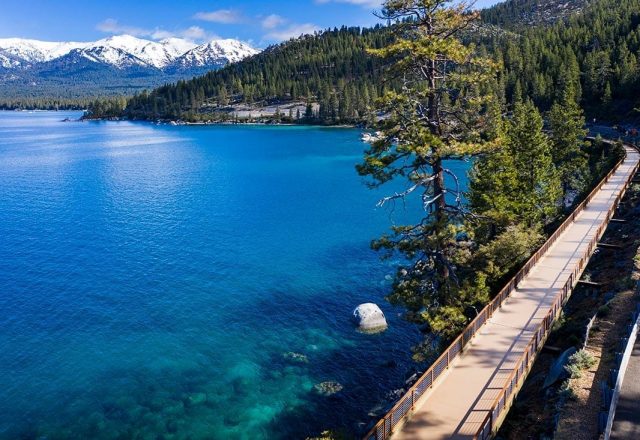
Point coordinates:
pixel 46 104
pixel 595 49
pixel 516 14
pixel 332 68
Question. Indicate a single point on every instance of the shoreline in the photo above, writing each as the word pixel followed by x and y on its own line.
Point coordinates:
pixel 178 122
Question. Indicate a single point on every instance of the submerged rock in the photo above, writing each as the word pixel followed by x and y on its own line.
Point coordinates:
pixel 296 357
pixel 328 388
pixel 242 386
pixel 395 395
pixel 390 364
pixel 197 399
pixel 369 317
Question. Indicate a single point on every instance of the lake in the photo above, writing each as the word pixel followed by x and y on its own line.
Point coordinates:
pixel 155 279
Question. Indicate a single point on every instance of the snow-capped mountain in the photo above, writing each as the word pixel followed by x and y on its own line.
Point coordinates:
pixel 215 53
pixel 8 60
pixel 108 55
pixel 120 64
pixel 176 46
pixel 156 54
pixel 124 51
pixel 35 51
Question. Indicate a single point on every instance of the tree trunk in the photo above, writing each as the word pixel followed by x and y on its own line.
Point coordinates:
pixel 438 183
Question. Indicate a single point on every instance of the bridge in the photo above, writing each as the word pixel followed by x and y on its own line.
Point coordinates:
pixel 467 391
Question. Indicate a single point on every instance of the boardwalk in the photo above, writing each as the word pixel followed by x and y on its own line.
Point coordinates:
pixel 461 398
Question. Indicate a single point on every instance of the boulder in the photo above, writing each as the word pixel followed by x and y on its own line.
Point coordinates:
pixel 328 388
pixel 557 371
pixel 296 357
pixel 369 317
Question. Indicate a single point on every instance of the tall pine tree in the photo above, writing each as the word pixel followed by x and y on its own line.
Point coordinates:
pixel 437 114
pixel 538 180
pixel 567 137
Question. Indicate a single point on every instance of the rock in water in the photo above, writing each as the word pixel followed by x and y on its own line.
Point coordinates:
pixel 197 399
pixel 328 388
pixel 296 357
pixel 369 317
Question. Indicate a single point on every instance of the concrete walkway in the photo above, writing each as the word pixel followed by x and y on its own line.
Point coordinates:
pixel 626 423
pixel 460 400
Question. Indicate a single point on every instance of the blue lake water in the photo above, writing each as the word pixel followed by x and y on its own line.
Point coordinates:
pixel 152 279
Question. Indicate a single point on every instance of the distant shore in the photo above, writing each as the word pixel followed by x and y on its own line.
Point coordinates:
pixel 178 122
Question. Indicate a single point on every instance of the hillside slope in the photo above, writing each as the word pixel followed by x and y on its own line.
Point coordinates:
pixel 596 49
pixel 515 14
pixel 332 68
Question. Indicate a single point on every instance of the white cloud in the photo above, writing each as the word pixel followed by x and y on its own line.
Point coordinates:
pixel 196 33
pixel 273 21
pixel 224 16
pixel 193 33
pixel 111 26
pixel 161 34
pixel 365 3
pixel 292 31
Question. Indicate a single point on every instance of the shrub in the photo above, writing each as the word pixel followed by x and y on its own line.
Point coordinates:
pixel 578 362
pixel 603 311
pixel 574 371
pixel 583 359
pixel 565 392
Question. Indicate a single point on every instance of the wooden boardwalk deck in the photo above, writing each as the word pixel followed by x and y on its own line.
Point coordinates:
pixel 461 399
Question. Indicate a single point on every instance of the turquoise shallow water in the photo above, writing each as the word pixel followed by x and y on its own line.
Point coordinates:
pixel 152 279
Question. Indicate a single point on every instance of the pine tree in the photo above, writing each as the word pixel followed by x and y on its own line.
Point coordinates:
pixel 539 183
pixel 606 94
pixel 308 112
pixel 438 114
pixel 502 239
pixel 493 188
pixel 567 138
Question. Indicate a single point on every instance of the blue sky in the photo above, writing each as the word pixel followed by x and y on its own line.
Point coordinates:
pixel 257 22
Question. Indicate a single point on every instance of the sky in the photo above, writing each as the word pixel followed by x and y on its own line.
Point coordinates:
pixel 258 22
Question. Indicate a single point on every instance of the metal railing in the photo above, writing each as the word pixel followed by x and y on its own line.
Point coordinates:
pixel 526 360
pixel 622 369
pixel 383 429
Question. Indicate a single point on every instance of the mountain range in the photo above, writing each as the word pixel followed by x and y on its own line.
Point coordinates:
pixel 114 65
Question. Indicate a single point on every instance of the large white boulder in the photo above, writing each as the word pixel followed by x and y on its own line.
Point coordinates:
pixel 369 317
